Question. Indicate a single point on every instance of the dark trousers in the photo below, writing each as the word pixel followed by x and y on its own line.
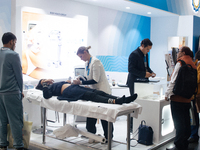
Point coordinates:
pixel 97 96
pixel 195 128
pixel 131 89
pixel 132 92
pixel 181 118
pixel 90 126
pixel 11 111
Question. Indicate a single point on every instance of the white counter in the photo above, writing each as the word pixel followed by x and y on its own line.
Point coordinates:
pixel 156 114
pixel 155 110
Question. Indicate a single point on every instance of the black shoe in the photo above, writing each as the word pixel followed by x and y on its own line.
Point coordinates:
pixel 130 99
pixel 173 148
pixel 3 147
pixel 106 142
pixel 22 148
pixel 193 140
pixel 120 100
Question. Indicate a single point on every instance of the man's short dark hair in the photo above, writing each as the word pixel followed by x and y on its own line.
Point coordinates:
pixel 146 42
pixel 8 36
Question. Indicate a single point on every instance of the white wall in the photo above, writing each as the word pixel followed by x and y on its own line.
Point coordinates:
pixel 106 27
pixel 185 28
pixel 161 29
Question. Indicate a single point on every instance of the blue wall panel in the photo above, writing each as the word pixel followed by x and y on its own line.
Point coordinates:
pixel 173 6
pixel 160 4
pixel 196 33
pixel 131 30
pixel 114 63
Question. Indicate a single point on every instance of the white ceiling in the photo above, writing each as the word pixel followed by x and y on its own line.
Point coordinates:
pixel 135 8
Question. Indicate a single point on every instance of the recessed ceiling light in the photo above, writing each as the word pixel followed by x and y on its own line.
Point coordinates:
pixel 128 8
pixel 149 13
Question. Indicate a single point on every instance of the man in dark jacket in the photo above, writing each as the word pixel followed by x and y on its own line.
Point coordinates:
pixel 138 66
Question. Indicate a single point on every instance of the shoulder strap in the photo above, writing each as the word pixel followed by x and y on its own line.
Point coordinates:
pixel 182 62
pixel 143 122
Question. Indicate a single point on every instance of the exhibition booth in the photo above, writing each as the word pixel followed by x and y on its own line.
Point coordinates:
pixel 50 32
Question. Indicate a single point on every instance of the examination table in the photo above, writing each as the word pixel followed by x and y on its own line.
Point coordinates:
pixel 108 112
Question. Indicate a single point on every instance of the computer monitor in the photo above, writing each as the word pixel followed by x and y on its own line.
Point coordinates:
pixel 79 71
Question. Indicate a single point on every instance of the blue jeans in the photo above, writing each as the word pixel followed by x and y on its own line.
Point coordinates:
pixel 11 112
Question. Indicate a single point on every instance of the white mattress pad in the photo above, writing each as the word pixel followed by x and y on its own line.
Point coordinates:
pixel 108 112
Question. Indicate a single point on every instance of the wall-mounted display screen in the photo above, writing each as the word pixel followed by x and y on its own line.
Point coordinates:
pixel 50 44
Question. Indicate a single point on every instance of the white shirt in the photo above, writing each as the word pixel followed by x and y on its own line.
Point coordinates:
pixel 96 72
pixel 170 87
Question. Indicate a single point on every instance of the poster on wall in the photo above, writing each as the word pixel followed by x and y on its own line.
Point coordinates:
pixel 50 44
pixel 169 65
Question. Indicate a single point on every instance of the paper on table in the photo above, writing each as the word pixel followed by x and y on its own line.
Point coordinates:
pixel 93 136
pixel 66 131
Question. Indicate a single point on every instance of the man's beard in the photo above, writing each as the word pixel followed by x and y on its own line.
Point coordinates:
pixel 13 47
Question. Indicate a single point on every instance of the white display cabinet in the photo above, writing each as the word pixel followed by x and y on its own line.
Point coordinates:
pixel 155 110
pixel 156 114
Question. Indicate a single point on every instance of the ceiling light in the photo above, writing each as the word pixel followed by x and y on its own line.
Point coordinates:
pixel 149 13
pixel 128 8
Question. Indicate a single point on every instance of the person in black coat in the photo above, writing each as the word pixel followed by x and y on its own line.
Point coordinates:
pixel 138 66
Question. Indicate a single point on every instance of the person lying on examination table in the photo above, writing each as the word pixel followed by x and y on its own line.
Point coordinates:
pixel 67 91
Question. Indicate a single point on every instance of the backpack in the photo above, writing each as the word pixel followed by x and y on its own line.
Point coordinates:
pixel 186 81
pixel 145 134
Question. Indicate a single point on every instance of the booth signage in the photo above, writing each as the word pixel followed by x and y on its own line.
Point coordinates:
pixel 195 4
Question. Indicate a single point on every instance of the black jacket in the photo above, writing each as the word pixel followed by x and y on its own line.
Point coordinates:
pixel 136 67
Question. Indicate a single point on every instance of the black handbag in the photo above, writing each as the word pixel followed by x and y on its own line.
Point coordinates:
pixel 145 134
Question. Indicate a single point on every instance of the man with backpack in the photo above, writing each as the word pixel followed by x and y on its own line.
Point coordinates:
pixel 181 103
